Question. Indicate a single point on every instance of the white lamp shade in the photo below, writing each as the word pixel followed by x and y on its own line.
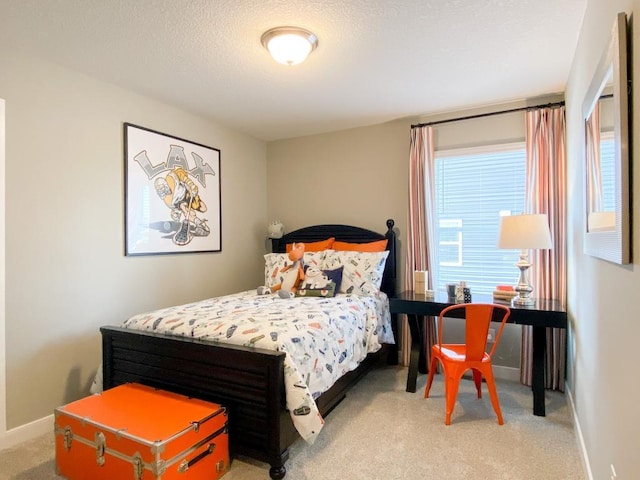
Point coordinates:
pixel 524 232
pixel 289 45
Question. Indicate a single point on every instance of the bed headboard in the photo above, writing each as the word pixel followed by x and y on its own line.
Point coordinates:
pixel 347 233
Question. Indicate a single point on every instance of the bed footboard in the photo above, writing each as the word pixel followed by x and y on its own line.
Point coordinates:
pixel 249 382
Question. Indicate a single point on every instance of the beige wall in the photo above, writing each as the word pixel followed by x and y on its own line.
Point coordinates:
pixel 496 129
pixel 66 274
pixel 602 295
pixel 355 177
pixel 3 383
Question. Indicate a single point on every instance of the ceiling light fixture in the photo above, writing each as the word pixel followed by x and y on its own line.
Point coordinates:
pixel 289 45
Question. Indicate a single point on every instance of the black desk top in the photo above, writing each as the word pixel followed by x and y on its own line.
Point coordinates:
pixel 544 313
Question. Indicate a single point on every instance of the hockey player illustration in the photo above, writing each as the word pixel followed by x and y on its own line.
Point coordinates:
pixel 180 195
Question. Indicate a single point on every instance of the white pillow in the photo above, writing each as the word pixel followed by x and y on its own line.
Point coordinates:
pixel 274 262
pixel 362 272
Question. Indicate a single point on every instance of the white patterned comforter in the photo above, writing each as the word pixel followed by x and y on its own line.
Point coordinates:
pixel 323 338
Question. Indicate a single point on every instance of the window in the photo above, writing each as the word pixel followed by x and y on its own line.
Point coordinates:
pixel 474 187
pixel 608 170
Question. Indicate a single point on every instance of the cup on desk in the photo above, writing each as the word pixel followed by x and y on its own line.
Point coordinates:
pixel 451 291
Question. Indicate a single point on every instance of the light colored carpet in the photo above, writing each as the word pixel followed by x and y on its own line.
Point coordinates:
pixel 382 432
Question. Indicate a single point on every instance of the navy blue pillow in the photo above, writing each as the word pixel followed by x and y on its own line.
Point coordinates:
pixel 320 283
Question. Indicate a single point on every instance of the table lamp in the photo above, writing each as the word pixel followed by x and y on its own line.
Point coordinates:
pixel 524 232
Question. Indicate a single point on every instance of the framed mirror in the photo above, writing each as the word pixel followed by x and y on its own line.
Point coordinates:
pixel 606 115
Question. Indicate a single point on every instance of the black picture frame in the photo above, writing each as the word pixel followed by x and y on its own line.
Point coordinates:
pixel 172 194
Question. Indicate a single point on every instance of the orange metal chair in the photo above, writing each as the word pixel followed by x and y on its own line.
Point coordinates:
pixel 458 358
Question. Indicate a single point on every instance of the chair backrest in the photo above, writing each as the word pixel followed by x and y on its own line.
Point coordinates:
pixel 478 320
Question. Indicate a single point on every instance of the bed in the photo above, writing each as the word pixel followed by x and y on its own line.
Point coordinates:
pixel 249 381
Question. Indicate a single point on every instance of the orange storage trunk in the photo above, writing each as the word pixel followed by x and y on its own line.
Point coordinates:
pixel 136 432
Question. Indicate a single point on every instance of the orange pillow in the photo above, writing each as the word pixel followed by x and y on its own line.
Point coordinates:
pixel 377 246
pixel 314 246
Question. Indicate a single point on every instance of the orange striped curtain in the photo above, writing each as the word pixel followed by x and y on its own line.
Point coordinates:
pixel 546 193
pixel 421 214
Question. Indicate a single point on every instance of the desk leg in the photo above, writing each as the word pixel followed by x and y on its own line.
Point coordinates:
pixel 416 358
pixel 537 371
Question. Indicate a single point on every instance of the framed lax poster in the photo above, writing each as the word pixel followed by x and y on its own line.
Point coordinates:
pixel 172 194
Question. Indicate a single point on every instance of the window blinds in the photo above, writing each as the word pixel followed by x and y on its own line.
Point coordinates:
pixel 473 187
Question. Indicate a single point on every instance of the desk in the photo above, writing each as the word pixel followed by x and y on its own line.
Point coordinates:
pixel 545 313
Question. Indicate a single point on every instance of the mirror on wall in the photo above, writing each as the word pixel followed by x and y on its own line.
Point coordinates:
pixel 606 116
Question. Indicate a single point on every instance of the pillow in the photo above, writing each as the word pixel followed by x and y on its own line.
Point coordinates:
pixel 362 272
pixel 314 246
pixel 274 262
pixel 320 283
pixel 377 246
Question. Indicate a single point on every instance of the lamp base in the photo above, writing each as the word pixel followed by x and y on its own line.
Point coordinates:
pixel 523 287
pixel 523 302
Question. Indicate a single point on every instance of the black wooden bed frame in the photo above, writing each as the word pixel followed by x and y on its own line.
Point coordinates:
pixel 248 381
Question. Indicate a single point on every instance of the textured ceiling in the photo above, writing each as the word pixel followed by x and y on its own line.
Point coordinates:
pixel 377 60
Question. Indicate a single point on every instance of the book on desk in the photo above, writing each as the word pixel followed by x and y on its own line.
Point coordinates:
pixel 503 294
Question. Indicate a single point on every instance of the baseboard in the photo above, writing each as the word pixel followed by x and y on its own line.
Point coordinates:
pixel 579 437
pixel 26 432
pixel 511 374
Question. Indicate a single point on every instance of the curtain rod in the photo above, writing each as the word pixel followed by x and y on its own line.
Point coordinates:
pixel 488 114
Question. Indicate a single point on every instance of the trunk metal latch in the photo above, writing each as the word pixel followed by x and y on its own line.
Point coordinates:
pixel 138 467
pixel 68 438
pixel 100 441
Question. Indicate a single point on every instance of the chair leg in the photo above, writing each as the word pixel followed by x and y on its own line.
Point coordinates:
pixel 477 379
pixel 452 382
pixel 432 372
pixel 493 393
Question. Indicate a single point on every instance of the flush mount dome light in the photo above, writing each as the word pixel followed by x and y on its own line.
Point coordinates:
pixel 289 45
